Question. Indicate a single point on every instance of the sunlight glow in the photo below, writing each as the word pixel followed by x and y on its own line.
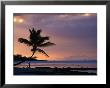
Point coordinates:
pixel 18 20
pixel 63 16
pixel 15 19
pixel 86 14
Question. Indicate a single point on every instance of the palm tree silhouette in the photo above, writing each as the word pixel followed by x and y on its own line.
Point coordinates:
pixel 35 41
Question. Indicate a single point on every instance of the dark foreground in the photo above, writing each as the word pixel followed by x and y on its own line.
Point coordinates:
pixel 53 71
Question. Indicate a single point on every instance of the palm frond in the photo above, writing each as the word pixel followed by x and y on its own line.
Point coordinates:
pixel 45 38
pixel 25 41
pixel 38 32
pixel 30 31
pixel 34 36
pixel 42 40
pixel 46 44
pixel 41 51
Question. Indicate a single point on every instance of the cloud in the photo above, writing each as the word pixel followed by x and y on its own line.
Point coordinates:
pixel 73 34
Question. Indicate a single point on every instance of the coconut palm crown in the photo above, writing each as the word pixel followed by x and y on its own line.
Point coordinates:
pixel 36 41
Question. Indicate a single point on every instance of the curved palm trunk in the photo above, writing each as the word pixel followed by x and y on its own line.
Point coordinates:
pixel 31 57
pixel 25 60
pixel 19 63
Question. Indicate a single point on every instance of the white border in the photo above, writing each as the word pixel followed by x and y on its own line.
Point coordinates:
pixel 101 44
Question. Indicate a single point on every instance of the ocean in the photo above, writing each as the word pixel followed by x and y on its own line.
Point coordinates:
pixel 60 64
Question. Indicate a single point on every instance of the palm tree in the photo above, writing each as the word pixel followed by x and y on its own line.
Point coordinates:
pixel 36 41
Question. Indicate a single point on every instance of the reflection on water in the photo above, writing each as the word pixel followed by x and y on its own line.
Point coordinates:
pixel 59 64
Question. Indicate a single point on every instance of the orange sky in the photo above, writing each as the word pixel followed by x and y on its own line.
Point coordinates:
pixel 75 35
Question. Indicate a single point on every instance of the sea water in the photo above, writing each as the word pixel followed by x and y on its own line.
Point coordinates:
pixel 60 64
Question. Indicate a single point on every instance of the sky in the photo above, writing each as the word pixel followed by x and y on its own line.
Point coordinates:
pixel 75 34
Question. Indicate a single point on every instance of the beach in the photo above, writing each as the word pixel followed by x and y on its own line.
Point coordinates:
pixel 56 68
pixel 53 71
